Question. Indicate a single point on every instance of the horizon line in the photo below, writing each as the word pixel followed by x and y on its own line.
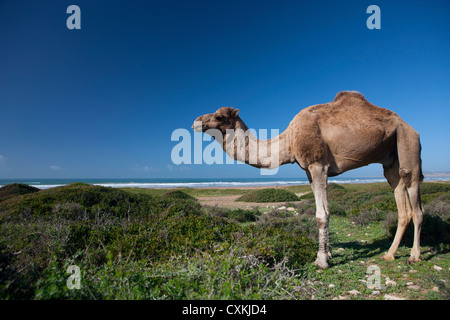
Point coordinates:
pixel 429 174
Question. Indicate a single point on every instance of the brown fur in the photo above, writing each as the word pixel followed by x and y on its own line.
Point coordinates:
pixel 347 133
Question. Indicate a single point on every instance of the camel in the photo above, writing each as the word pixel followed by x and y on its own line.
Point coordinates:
pixel 328 139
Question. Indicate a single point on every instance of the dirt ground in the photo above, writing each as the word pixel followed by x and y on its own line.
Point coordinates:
pixel 230 202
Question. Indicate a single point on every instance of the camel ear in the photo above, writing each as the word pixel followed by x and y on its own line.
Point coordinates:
pixel 234 113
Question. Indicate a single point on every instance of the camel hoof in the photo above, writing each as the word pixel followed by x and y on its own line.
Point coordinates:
pixel 321 264
pixel 387 257
pixel 413 260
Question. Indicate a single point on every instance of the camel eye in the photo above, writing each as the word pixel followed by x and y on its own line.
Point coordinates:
pixel 220 118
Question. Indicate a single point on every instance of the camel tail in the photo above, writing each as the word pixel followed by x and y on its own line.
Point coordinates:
pixel 409 150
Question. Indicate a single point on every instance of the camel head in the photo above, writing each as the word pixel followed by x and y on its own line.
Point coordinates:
pixel 223 119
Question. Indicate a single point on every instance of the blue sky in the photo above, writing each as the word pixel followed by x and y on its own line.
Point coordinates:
pixel 103 101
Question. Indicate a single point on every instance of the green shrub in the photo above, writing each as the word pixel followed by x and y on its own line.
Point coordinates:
pixel 81 201
pixel 307 224
pixel 275 215
pixel 178 194
pixel 268 195
pixel 230 274
pixel 435 225
pixel 276 242
pixel 55 224
pixel 434 187
pixel 183 207
pixel 136 246
pixel 336 209
pixel 431 191
pixel 237 215
pixel 368 215
pixel 114 251
pixel 307 207
pixel 334 191
pixel 241 215
pixel 343 202
pixel 15 189
pixel 334 186
pixel 304 224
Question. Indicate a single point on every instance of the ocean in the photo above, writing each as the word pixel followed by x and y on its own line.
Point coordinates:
pixel 194 183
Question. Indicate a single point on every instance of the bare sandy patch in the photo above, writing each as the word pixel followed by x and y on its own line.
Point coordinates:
pixel 230 202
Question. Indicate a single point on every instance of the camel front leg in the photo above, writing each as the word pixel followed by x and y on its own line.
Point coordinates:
pixel 319 177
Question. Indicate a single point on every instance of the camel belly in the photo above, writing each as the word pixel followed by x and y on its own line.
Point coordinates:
pixel 351 149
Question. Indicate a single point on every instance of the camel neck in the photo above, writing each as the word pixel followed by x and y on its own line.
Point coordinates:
pixel 242 145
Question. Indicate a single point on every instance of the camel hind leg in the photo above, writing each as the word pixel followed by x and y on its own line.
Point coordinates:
pixel 408 148
pixel 414 196
pixel 404 209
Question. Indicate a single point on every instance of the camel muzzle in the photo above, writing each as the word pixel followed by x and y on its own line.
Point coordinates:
pixel 198 126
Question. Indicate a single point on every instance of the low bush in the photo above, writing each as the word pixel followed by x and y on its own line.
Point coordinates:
pixel 368 215
pixel 307 207
pixel 435 225
pixel 105 230
pixel 181 207
pixel 336 209
pixel 15 189
pixel 300 223
pixel 431 191
pixel 137 246
pixel 268 195
pixel 230 274
pixel 283 240
pixel 236 215
pixel 435 187
pixel 241 215
pixel 334 186
pixel 376 203
pixel 93 201
pixel 178 194
pixel 334 191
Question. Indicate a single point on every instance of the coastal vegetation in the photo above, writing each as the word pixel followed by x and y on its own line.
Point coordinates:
pixel 162 244
pixel 268 195
pixel 15 189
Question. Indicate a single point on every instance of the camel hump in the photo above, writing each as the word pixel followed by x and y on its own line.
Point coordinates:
pixel 344 94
